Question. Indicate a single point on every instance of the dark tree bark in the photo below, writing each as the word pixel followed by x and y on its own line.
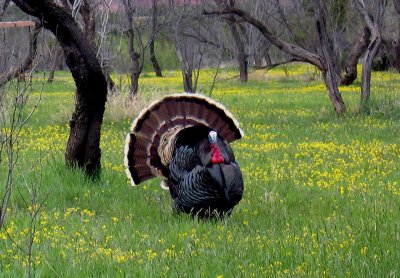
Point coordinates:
pixel 153 59
pixel 27 63
pixel 83 147
pixel 350 68
pixel 87 12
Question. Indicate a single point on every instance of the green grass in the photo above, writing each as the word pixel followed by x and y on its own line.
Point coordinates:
pixel 322 193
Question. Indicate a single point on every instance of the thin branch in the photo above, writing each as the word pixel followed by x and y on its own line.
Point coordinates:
pixel 287 47
pixel 274 65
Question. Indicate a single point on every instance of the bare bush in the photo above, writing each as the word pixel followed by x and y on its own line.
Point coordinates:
pixel 13 117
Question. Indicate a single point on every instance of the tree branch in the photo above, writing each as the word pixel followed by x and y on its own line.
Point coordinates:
pixel 285 46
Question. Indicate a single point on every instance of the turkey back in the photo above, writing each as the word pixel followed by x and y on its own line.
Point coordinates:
pixel 152 140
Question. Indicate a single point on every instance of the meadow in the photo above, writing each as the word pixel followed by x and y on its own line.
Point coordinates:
pixel 322 193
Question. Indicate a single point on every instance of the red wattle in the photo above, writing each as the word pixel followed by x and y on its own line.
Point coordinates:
pixel 216 155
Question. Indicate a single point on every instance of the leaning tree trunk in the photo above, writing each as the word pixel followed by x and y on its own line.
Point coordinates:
pixel 333 91
pixel 330 68
pixel 83 147
pixel 350 69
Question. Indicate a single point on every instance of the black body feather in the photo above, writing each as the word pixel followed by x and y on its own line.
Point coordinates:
pixel 198 186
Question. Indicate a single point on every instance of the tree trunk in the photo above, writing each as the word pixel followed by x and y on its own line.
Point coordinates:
pixel 27 63
pixel 110 82
pixel 373 48
pixel 186 65
pixel 89 21
pixel 332 88
pixel 153 59
pixel 135 73
pixel 188 80
pixel 323 61
pixel 55 64
pixel 241 56
pixel 359 48
pixel 135 66
pixel 83 147
pixel 330 65
pixel 241 51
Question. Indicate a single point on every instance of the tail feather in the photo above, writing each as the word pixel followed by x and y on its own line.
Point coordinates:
pixel 150 145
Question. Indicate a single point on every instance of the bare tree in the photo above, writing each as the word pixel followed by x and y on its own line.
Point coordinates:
pixel 325 58
pixel 83 147
pixel 374 24
pixel 13 118
pixel 137 46
pixel 238 34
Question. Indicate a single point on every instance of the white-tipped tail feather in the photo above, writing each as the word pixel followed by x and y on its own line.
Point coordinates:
pixel 150 144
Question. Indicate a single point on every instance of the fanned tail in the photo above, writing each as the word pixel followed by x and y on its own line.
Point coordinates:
pixel 151 143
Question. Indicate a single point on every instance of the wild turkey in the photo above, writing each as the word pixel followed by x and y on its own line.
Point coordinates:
pixel 184 138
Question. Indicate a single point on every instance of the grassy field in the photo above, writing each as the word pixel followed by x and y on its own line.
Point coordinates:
pixel 322 193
